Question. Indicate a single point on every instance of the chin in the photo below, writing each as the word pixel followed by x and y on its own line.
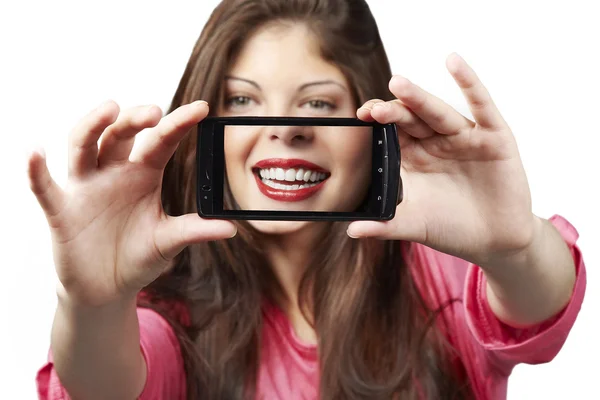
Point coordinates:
pixel 279 227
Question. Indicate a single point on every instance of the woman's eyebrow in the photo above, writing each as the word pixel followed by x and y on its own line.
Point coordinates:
pixel 326 82
pixel 302 87
pixel 235 78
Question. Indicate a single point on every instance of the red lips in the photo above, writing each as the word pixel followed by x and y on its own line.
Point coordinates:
pixel 288 195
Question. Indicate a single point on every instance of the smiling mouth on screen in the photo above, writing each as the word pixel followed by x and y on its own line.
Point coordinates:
pixel 289 179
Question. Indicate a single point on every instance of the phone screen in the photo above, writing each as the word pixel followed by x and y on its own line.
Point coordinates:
pixel 296 168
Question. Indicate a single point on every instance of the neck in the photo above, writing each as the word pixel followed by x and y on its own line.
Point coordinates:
pixel 289 257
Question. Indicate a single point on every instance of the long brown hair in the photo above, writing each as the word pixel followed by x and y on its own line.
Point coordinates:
pixel 377 336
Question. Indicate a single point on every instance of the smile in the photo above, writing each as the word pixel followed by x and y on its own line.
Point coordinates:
pixel 289 179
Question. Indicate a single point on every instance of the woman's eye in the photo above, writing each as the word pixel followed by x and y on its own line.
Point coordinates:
pixel 237 101
pixel 321 105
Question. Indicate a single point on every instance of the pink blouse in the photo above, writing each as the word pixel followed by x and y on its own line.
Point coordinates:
pixel 289 368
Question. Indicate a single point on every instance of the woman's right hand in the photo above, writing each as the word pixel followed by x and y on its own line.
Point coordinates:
pixel 110 234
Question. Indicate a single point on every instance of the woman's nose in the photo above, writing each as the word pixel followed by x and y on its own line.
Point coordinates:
pixel 292 135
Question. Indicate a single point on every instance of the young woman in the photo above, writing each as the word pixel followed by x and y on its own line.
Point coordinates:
pixel 441 302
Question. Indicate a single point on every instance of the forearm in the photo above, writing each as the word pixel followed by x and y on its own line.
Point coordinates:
pixel 530 287
pixel 97 350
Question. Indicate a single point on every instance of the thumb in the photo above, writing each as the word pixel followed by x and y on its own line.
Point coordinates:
pixel 407 225
pixel 175 233
pixel 48 193
pixel 372 229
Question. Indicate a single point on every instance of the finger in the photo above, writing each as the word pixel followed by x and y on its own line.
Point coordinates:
pixel 404 139
pixel 480 102
pixel 364 112
pixel 396 112
pixel 434 112
pixel 83 143
pixel 165 137
pixel 383 230
pixel 118 139
pixel 409 224
pixel 48 193
pixel 373 229
pixel 176 233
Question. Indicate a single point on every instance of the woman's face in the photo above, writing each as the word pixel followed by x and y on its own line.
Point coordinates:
pixel 279 72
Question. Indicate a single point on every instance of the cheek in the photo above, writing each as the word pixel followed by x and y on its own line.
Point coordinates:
pixel 352 152
pixel 237 145
pixel 351 155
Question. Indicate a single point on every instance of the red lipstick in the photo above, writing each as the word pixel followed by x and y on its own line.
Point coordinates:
pixel 284 194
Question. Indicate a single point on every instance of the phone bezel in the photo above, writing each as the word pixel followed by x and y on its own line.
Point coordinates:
pixel 384 195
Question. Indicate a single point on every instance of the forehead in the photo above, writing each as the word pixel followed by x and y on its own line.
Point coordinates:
pixel 283 52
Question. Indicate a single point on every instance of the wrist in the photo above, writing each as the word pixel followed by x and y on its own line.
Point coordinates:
pixel 84 304
pixel 523 254
pixel 534 284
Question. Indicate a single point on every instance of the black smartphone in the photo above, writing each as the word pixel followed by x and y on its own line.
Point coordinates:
pixel 297 168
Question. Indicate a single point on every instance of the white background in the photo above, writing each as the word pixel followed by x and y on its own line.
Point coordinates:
pixel 61 59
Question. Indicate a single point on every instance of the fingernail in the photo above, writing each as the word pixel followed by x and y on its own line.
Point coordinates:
pixel 381 106
pixel 34 148
pixel 200 102
pixel 352 236
pixel 104 104
pixel 400 79
pixel 456 55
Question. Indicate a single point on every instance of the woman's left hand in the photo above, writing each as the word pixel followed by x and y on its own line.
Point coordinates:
pixel 465 188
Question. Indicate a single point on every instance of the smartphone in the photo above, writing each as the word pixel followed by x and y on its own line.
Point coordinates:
pixel 297 168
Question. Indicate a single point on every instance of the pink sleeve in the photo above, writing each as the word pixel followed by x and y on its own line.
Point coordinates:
pixel 507 346
pixel 160 348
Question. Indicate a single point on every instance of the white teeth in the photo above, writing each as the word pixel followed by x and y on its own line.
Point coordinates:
pixel 290 175
pixel 280 174
pixel 281 186
pixel 306 176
